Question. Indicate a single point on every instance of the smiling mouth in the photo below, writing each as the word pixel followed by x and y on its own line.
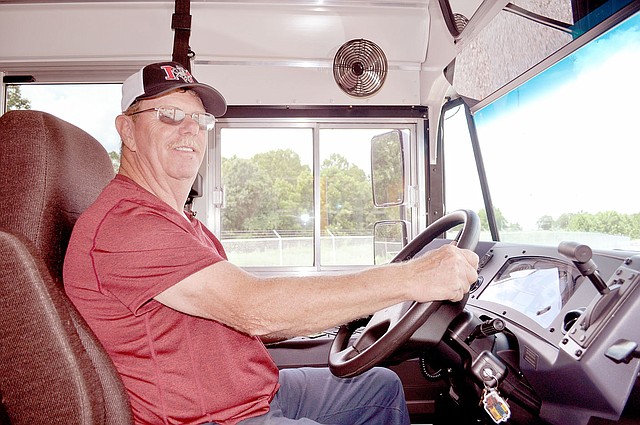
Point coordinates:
pixel 185 149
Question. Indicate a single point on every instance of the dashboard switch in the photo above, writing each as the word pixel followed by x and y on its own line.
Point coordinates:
pixel 623 351
pixel 486 328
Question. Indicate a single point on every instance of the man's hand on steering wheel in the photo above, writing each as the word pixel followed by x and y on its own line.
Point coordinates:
pixel 445 275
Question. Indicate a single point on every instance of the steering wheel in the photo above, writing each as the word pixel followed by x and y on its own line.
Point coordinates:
pixel 391 327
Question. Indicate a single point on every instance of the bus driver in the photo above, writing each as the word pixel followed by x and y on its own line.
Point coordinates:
pixel 184 326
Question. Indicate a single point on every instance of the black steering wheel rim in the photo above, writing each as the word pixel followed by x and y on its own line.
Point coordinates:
pixel 389 328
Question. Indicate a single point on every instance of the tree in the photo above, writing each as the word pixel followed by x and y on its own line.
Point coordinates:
pixel 15 99
pixel 291 187
pixel 274 191
pixel 581 222
pixel 115 160
pixel 345 196
pixel 501 222
pixel 271 191
pixel 608 222
pixel 563 221
pixel 249 200
pixel 545 222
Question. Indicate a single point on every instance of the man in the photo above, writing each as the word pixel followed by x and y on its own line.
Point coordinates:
pixel 183 325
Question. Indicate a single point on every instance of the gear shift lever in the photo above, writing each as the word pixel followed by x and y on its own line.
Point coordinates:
pixel 581 256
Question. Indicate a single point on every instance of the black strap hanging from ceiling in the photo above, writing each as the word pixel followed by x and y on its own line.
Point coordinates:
pixel 181 25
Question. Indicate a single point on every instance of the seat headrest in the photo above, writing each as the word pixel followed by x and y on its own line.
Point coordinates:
pixel 50 172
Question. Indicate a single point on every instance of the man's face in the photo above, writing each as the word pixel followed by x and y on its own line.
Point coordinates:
pixel 170 151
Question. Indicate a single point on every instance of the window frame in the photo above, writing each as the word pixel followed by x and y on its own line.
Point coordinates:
pixel 414 206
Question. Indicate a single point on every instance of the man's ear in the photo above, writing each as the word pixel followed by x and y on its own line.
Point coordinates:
pixel 125 128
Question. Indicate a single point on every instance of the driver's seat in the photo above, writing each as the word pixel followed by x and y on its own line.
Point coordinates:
pixel 52 368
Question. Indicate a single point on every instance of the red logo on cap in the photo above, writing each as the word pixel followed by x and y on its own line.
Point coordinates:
pixel 177 72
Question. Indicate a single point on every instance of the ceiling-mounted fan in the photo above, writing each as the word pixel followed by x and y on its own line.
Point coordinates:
pixel 360 67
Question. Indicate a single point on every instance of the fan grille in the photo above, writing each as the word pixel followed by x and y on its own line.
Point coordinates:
pixel 461 21
pixel 360 67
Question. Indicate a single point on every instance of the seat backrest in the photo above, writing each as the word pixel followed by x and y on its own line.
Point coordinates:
pixel 52 368
pixel 50 172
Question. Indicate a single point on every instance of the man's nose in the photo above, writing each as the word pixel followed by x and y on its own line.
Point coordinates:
pixel 189 124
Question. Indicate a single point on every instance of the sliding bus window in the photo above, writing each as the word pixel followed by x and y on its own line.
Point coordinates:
pixel 299 195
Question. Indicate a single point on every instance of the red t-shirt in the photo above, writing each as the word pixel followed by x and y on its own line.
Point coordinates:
pixel 125 249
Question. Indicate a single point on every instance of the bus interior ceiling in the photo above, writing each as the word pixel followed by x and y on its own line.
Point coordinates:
pixel 255 52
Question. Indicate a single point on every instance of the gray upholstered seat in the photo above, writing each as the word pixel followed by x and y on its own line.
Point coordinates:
pixel 52 369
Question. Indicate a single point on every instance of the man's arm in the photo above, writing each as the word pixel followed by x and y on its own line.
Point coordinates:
pixel 284 307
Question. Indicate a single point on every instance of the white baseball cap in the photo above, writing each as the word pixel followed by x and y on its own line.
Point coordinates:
pixel 158 78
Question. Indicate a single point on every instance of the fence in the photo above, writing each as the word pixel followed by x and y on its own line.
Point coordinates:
pixel 296 248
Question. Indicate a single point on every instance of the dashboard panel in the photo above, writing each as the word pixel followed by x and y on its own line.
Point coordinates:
pixel 537 287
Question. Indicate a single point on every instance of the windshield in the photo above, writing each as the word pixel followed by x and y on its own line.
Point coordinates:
pixel 561 150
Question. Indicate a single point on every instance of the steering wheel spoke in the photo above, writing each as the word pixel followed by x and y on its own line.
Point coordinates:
pixel 389 316
pixel 344 355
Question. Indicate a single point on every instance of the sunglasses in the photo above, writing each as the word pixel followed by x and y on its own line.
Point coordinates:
pixel 174 116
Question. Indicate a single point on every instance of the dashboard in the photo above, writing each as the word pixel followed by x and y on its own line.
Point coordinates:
pixel 536 288
pixel 573 340
pixel 562 336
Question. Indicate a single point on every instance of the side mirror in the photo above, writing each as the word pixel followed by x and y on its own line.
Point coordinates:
pixel 387 169
pixel 389 237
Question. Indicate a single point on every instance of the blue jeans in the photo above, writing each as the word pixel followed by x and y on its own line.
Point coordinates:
pixel 314 396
